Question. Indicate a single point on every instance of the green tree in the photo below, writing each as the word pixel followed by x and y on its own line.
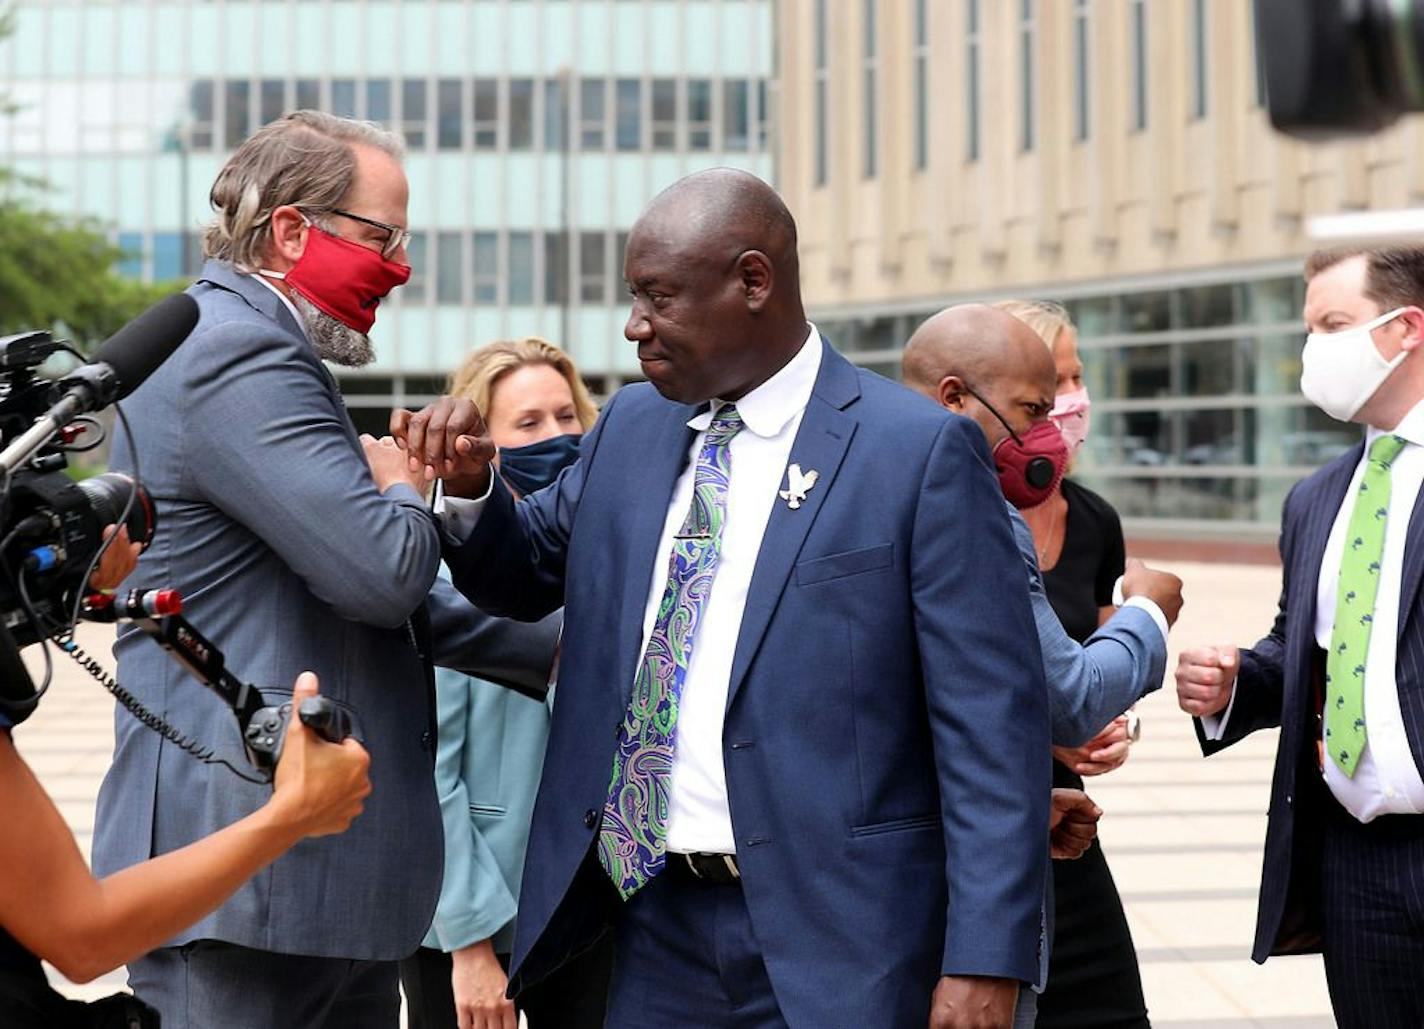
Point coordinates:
pixel 58 272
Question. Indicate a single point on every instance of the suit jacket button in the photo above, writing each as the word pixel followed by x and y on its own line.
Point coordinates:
pixel 590 818
pixel 425 739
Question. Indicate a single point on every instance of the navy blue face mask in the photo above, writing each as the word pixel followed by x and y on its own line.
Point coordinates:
pixel 529 469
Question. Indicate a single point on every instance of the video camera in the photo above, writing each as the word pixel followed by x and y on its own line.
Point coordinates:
pixel 51 535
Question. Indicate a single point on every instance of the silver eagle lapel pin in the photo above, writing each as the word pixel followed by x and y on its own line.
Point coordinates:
pixel 798 484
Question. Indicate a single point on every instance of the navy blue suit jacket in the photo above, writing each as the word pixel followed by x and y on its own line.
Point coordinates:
pixel 886 737
pixel 1274 687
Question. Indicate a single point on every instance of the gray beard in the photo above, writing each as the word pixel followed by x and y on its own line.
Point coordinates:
pixel 333 340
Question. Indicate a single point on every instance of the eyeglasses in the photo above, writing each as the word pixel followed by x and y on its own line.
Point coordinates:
pixel 396 237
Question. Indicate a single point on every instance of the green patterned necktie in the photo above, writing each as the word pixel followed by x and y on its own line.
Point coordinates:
pixel 632 840
pixel 1355 608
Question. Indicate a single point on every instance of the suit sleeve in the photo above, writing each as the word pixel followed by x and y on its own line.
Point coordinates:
pixel 512 563
pixel 1258 696
pixel 516 655
pixel 988 710
pixel 270 447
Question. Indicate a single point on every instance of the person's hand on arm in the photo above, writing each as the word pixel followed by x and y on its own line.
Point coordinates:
pixel 1072 824
pixel 973 1002
pixel 55 907
pixel 388 464
pixel 1103 753
pixel 1205 678
pixel 448 441
pixel 479 985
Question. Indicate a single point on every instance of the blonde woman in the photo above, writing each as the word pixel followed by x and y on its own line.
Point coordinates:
pixel 491 740
pixel 1094 978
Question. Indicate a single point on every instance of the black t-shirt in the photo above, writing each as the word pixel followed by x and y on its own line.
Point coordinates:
pixel 1093 557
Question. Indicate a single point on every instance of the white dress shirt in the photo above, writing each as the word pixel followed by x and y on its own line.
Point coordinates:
pixel 1386 779
pixel 699 818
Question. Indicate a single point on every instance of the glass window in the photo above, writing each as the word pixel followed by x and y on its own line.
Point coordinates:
pixel 1260 65
pixel 1026 83
pixel 414 291
pixel 1270 301
pixel 822 96
pixel 450 117
pixel 1221 436
pixel 1095 316
pixel 1082 74
pixel 486 270
pixel 521 114
pixel 167 255
pixel 869 97
pixel 1146 312
pixel 556 268
pixel 1211 367
pixel 486 126
pixel 628 94
pixel 343 97
pixel 1310 438
pixel 449 268
pixel 1277 366
pixel 556 115
pixel 922 85
pixel 192 254
pixel 131 263
pixel 593 113
pixel 1204 307
pixel 699 114
pixel 620 257
pixel 972 46
pixel 1137 44
pixel 763 115
pixel 1199 59
pixel 200 114
pixel 664 114
pixel 521 268
pixel 308 94
pixel 414 105
pixel 593 268
pixel 736 122
pixel 378 101
pixel 274 99
pixel 236 113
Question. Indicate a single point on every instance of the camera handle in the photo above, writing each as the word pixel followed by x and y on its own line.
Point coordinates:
pixel 264 726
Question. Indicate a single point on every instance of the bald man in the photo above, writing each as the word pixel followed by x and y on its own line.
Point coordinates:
pixel 799 762
pixel 991 367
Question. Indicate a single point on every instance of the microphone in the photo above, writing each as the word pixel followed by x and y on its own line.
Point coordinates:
pixel 120 365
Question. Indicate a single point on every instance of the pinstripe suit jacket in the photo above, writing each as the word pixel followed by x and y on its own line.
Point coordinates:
pixel 1274 688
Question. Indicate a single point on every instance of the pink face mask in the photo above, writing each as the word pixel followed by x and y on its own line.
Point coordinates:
pixel 1071 414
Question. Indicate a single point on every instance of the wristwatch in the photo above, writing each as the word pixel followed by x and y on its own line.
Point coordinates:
pixel 1134 726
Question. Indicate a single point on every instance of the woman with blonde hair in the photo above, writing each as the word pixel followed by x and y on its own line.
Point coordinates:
pixel 491 741
pixel 1093 979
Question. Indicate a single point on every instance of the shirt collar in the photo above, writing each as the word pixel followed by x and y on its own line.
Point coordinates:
pixel 1410 428
pixel 767 409
pixel 296 317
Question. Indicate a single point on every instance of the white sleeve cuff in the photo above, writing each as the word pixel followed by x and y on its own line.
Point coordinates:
pixel 1214 726
pixel 1158 618
pixel 460 515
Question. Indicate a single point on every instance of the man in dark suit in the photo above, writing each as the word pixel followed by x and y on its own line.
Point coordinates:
pixel 799 756
pixel 1342 670
pixel 297 546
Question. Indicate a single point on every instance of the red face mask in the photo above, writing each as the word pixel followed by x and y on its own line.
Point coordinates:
pixel 342 278
pixel 1030 466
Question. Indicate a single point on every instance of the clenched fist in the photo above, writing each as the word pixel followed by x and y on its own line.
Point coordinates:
pixel 1205 678
pixel 447 441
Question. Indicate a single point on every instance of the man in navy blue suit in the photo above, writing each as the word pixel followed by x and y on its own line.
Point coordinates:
pixel 1342 669
pixel 799 757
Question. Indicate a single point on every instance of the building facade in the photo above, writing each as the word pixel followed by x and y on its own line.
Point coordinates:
pixel 1111 154
pixel 536 132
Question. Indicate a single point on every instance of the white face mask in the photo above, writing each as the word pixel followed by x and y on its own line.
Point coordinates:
pixel 1342 370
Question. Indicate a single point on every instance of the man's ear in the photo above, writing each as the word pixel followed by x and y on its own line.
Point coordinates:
pixel 1413 318
pixel 289 236
pixel 756 276
pixel 952 393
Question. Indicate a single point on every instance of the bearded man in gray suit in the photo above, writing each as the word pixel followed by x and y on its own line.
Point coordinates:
pixel 297 546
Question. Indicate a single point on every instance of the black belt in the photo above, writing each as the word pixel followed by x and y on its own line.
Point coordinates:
pixel 712 869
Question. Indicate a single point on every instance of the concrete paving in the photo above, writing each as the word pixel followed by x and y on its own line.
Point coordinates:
pixel 1183 835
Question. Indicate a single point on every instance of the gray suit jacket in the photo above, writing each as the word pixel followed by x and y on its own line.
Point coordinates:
pixel 288 559
pixel 1091 684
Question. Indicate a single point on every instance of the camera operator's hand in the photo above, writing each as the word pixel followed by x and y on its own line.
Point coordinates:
pixel 388 464
pixel 320 787
pixel 118 561
pixel 447 441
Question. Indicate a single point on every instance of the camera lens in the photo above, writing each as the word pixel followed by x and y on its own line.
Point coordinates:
pixel 108 496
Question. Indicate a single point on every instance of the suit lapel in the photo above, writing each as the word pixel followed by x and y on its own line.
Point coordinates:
pixel 821 443
pixel 1323 509
pixel 658 466
pixel 1413 563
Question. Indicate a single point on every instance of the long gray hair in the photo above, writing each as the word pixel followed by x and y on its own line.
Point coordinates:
pixel 303 159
